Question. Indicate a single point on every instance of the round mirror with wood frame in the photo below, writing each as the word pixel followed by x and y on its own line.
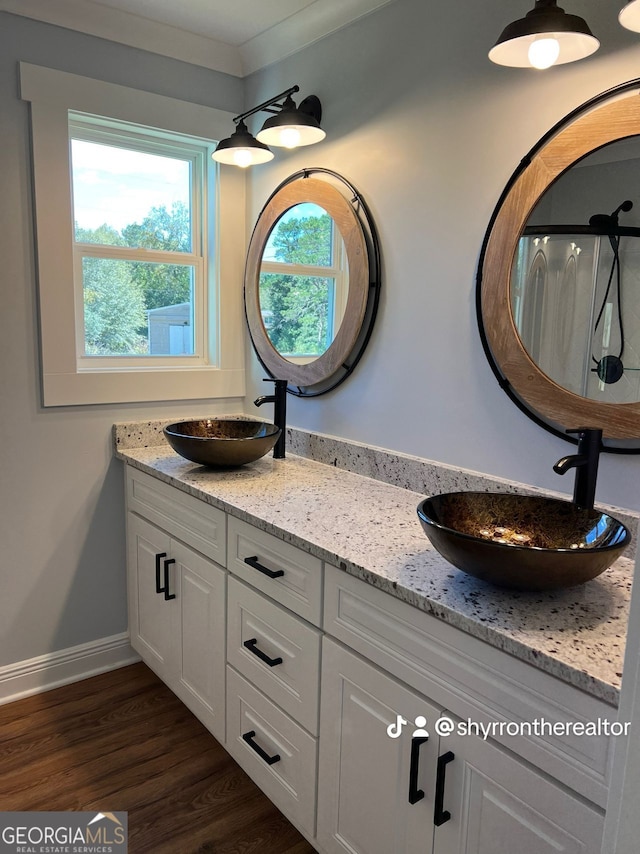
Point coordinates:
pixel 335 360
pixel 609 117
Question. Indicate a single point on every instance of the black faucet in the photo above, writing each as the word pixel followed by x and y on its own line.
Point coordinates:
pixel 279 399
pixel 585 463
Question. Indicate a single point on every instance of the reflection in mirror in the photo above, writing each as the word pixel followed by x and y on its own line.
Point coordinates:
pixel 528 294
pixel 575 299
pixel 303 283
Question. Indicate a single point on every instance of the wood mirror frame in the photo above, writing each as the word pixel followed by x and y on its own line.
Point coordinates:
pixel 351 216
pixel 609 117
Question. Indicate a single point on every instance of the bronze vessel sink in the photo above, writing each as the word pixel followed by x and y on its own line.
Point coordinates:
pixel 522 542
pixel 223 442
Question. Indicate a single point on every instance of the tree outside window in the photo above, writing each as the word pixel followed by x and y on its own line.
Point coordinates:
pixel 300 274
pixel 139 257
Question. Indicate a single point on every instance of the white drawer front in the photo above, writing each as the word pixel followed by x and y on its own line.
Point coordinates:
pixel 275 651
pixel 195 522
pixel 473 679
pixel 298 575
pixel 290 779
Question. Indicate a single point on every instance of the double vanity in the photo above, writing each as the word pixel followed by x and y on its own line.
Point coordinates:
pixel 299 611
pixel 386 702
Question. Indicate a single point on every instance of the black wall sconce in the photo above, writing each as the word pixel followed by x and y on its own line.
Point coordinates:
pixel 548 36
pixel 288 127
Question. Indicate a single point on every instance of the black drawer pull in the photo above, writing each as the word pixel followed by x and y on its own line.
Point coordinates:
pixel 441 815
pixel 251 646
pixel 270 760
pixel 159 557
pixel 415 794
pixel 165 589
pixel 255 563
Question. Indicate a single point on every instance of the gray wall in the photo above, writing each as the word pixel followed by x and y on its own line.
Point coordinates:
pixel 430 131
pixel 62 579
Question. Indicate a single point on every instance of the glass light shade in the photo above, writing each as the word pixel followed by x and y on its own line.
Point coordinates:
pixel 546 21
pixel 629 16
pixel 242 149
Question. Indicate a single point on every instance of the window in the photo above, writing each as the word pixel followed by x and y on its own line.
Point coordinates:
pixel 303 283
pixel 140 245
pixel 138 211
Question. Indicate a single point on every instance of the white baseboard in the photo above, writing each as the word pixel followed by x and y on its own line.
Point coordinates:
pixel 64 666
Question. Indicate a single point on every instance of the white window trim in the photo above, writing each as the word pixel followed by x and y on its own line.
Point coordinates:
pixel 53 94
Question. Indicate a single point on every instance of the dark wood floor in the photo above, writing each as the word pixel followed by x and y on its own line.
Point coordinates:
pixel 123 741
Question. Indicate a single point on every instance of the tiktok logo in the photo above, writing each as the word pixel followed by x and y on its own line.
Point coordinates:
pixel 394 730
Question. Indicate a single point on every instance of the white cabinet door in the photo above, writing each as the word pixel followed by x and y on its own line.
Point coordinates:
pixel 177 618
pixel 200 677
pixel 478 798
pixel 150 615
pixel 498 805
pixel 364 775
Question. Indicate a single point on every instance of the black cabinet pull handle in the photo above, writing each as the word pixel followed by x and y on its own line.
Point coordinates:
pixel 441 815
pixel 251 646
pixel 415 794
pixel 270 760
pixel 255 563
pixel 165 589
pixel 159 557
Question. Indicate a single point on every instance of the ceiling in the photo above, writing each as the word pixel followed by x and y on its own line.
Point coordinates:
pixel 233 36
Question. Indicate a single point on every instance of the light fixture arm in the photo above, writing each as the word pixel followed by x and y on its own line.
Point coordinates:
pixel 288 127
pixel 266 104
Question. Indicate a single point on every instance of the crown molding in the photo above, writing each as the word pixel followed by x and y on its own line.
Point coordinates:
pixel 115 25
pixel 285 38
pixel 301 29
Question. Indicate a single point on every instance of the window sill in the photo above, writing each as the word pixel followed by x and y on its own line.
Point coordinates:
pixel 65 389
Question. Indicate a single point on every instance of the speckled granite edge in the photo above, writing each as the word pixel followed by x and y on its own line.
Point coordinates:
pixel 569 673
pixel 148 434
pixel 417 474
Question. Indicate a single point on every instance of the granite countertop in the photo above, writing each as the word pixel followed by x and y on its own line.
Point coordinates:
pixel 371 530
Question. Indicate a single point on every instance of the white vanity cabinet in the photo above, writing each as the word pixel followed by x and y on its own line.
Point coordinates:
pixel 456 794
pixel 299 668
pixel 476 796
pixel 177 596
